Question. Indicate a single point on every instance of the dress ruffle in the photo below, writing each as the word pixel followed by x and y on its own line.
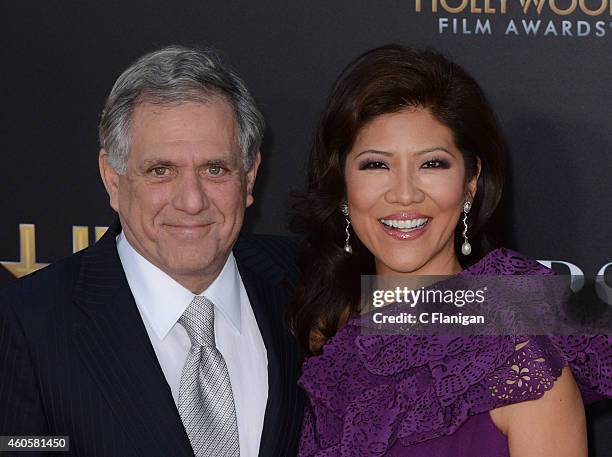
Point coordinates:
pixel 369 392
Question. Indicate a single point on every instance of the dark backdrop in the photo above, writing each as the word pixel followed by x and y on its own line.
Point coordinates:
pixel 551 88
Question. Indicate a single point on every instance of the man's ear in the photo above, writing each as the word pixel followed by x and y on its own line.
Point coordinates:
pixel 473 182
pixel 110 178
pixel 250 177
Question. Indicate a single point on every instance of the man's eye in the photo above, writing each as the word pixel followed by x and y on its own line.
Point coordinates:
pixel 160 171
pixel 372 165
pixel 215 170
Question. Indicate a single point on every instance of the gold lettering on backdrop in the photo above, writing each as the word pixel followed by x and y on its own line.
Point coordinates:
pixel 475 7
pixel 585 9
pixel 27 253
pixel 563 12
pixel 456 9
pixel 80 236
pixel 27 246
pixel 100 231
pixel 539 5
pixel 487 7
pixel 491 6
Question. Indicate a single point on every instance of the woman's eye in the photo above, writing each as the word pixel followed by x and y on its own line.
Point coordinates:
pixel 435 164
pixel 372 165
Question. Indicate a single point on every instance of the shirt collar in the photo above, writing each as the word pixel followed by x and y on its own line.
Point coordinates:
pixel 163 301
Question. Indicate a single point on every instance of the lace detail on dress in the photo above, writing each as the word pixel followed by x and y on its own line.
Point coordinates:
pixel 375 396
pixel 529 372
pixel 370 392
pixel 591 360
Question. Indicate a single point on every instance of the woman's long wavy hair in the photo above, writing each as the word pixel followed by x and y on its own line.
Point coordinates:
pixel 384 80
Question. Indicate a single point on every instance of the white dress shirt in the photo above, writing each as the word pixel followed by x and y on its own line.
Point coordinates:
pixel 161 302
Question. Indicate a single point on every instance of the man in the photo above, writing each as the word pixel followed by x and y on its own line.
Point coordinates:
pixel 167 337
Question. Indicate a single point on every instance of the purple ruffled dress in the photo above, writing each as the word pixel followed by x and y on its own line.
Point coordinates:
pixel 417 396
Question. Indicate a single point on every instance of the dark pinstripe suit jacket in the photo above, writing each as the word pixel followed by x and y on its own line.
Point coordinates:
pixel 76 360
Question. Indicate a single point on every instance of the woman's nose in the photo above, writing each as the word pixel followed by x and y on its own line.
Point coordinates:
pixel 404 189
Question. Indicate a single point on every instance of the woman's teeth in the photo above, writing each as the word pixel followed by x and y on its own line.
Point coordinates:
pixel 405 225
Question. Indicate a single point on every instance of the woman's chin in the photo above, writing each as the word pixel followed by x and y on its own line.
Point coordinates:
pixel 399 267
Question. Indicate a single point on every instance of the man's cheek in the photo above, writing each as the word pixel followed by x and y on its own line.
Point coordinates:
pixel 153 199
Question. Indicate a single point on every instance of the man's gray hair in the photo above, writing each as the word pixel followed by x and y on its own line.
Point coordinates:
pixel 174 75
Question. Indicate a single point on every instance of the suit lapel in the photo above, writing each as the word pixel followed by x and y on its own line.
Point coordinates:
pixel 256 290
pixel 113 345
pixel 268 298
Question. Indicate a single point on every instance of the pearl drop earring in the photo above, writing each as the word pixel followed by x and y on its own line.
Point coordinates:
pixel 466 247
pixel 347 245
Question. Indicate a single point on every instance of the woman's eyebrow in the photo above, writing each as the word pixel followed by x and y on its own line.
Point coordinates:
pixel 421 152
pixel 434 149
pixel 374 151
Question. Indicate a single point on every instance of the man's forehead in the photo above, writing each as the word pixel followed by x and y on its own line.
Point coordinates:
pixel 162 129
pixel 151 110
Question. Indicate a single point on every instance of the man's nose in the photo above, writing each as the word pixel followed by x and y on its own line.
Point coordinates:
pixel 190 194
pixel 404 189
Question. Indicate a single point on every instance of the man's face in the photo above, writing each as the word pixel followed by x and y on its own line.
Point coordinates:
pixel 181 201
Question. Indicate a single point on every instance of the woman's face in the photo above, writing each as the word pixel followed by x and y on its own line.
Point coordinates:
pixel 406 185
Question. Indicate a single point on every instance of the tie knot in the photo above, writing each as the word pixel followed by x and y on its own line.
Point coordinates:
pixel 199 322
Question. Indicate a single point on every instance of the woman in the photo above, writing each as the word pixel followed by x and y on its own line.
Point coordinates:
pixel 405 173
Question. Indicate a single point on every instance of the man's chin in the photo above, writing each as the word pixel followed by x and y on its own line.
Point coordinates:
pixel 187 233
pixel 187 260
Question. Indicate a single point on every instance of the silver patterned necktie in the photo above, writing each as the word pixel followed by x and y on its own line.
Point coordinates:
pixel 206 402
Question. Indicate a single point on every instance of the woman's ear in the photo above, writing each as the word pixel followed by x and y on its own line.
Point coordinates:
pixel 472 184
